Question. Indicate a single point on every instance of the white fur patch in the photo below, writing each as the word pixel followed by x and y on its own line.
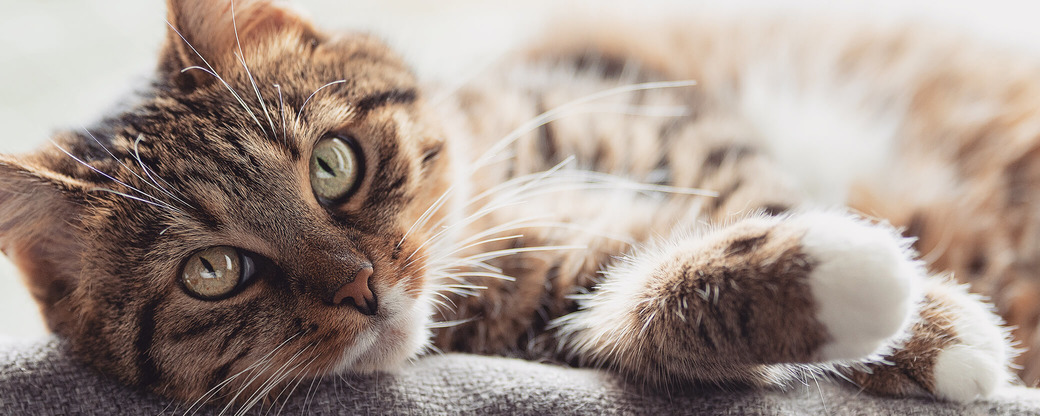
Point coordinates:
pixel 978 364
pixel 397 336
pixel 828 132
pixel 604 318
pixel 865 283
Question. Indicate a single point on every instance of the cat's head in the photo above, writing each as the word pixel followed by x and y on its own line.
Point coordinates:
pixel 250 216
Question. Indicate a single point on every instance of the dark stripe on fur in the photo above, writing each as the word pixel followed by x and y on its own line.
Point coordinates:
pixel 432 154
pixel 745 245
pixel 724 195
pixel 773 210
pixel 147 372
pixel 547 145
pixel 395 96
pixel 607 66
pixel 722 154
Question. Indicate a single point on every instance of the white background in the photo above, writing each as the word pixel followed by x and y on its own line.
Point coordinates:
pixel 63 62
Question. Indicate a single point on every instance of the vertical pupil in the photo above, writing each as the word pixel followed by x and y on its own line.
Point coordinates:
pixel 207 265
pixel 325 166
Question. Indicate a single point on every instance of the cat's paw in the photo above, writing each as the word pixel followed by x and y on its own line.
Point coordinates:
pixel 957 351
pixel 965 372
pixel 977 361
pixel 864 282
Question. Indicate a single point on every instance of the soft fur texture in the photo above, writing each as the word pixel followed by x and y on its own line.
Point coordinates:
pixel 657 202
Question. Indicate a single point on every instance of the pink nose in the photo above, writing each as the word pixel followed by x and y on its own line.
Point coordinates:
pixel 359 293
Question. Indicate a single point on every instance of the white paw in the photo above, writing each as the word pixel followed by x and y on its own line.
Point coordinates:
pixel 864 281
pixel 964 373
pixel 977 364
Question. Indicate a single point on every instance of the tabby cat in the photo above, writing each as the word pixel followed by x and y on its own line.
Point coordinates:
pixel 704 203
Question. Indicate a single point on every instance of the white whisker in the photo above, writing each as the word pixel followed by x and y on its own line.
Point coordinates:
pixel 213 72
pixel 426 214
pixel 299 114
pixel 262 363
pixel 508 252
pixel 155 201
pixel 281 109
pixel 147 172
pixel 487 210
pixel 555 113
pixel 249 74
pixel 128 196
pixel 279 374
pixel 449 324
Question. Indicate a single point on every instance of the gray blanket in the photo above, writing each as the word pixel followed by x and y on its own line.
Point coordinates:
pixel 38 378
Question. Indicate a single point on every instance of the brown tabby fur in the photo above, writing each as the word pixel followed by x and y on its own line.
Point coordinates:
pixel 104 260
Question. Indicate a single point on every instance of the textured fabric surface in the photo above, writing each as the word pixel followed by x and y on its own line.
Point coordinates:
pixel 39 379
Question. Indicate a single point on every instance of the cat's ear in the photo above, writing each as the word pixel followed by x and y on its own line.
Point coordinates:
pixel 208 33
pixel 39 210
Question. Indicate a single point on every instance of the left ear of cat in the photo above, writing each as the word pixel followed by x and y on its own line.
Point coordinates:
pixel 208 33
pixel 39 215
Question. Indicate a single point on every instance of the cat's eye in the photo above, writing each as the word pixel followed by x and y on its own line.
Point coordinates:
pixel 217 272
pixel 335 168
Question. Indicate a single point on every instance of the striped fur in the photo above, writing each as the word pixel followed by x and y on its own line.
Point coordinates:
pixel 676 233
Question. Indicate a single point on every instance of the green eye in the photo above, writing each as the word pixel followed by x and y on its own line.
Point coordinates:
pixel 216 272
pixel 334 169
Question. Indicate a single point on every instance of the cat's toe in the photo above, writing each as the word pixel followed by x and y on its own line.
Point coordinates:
pixel 864 282
pixel 964 373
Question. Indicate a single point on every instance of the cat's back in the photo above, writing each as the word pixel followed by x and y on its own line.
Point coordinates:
pixel 913 124
pixel 857 93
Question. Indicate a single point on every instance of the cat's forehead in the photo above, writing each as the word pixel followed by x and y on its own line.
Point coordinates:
pixel 290 90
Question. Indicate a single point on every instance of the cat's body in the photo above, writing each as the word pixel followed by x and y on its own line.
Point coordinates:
pixel 714 250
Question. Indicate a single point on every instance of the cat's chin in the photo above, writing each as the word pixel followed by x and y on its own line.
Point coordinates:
pixel 391 341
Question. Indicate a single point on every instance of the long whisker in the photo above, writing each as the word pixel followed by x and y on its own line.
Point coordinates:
pixel 241 58
pixel 299 114
pixel 147 172
pixel 213 72
pixel 258 368
pixel 281 109
pixel 228 380
pixel 425 215
pixel 301 375
pixel 508 252
pixel 113 156
pixel 485 211
pixel 550 114
pixel 566 181
pixel 274 380
pixel 128 196
pixel 314 384
pixel 157 202
pixel 522 182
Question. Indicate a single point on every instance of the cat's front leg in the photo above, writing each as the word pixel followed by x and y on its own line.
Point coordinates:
pixel 743 302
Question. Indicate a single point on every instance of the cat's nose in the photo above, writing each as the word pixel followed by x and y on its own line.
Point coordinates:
pixel 358 292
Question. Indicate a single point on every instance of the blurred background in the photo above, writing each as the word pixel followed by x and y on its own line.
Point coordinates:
pixel 64 62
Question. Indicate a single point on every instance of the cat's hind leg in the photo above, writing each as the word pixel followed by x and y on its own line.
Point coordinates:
pixel 956 350
pixel 748 302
